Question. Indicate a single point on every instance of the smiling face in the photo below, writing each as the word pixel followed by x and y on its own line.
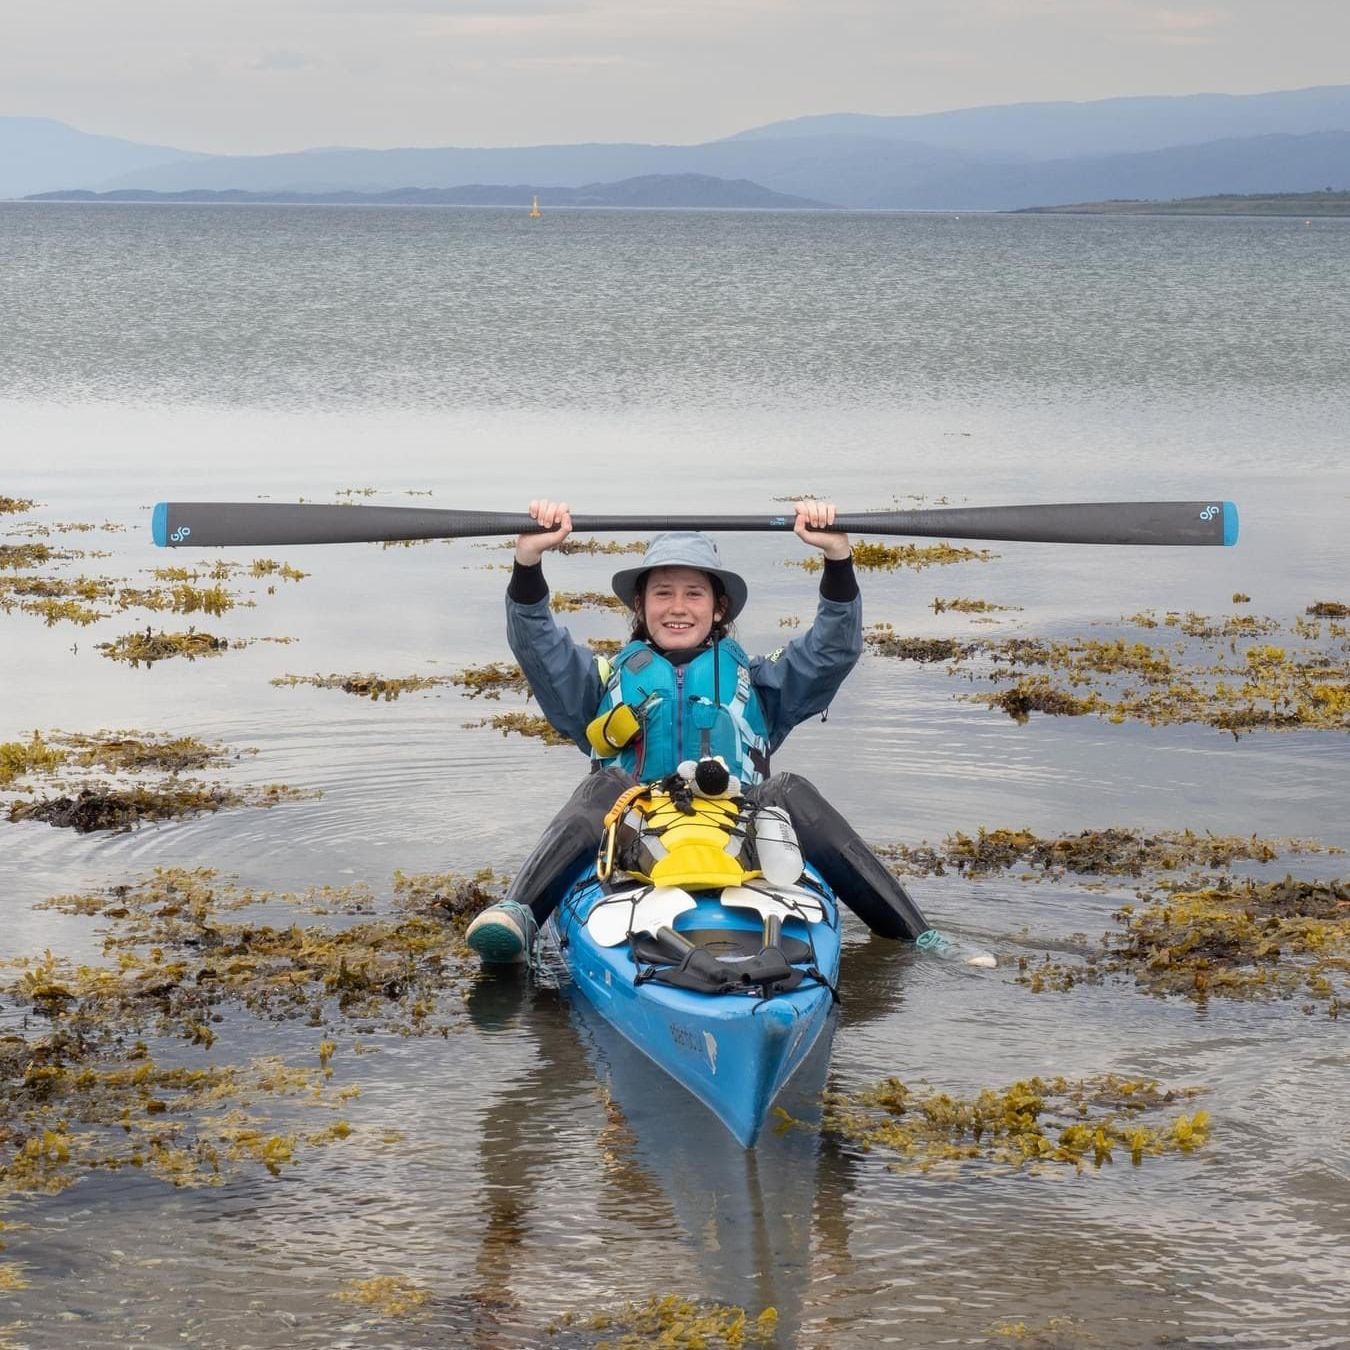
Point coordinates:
pixel 679 607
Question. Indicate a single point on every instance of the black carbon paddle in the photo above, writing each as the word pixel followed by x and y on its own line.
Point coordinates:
pixel 247 524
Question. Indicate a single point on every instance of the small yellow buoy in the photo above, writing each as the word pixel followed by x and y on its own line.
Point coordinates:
pixel 535 212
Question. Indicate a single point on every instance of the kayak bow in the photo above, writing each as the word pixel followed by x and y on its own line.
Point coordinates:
pixel 773 950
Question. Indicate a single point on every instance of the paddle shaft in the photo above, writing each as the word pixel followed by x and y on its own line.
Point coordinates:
pixel 253 524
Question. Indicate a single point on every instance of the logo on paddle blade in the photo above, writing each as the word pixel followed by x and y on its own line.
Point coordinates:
pixel 1209 513
pixel 181 533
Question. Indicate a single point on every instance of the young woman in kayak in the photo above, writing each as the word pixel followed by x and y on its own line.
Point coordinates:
pixel 688 686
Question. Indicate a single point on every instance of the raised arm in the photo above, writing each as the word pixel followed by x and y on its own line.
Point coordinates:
pixel 801 679
pixel 561 673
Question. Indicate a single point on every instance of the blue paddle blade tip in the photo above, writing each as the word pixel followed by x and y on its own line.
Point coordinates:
pixel 159 524
pixel 1230 524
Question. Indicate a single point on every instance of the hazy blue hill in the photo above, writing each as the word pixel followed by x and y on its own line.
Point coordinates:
pixel 383 170
pixel 970 159
pixel 847 170
pixel 38 154
pixel 842 169
pixel 656 190
pixel 1107 126
pixel 1256 164
pixel 687 190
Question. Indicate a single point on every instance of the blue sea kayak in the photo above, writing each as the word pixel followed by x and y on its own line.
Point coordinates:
pixel 649 957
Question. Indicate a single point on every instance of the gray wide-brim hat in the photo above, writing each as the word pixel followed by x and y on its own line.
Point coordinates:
pixel 682 548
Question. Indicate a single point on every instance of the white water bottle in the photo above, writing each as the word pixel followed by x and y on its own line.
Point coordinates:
pixel 776 846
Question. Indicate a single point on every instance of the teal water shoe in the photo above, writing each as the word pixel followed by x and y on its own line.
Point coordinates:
pixel 504 933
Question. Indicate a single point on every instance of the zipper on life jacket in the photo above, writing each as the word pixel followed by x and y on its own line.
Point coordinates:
pixel 679 713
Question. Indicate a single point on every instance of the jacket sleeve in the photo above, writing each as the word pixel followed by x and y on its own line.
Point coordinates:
pixel 561 673
pixel 801 679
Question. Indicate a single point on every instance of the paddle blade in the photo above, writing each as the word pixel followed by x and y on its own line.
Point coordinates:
pixel 253 524
pixel 643 910
pixel 1211 523
pixel 610 922
pixel 780 902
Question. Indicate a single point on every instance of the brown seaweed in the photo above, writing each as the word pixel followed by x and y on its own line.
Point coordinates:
pixel 523 724
pixel 123 808
pixel 1240 939
pixel 375 687
pixel 146 648
pixel 1106 852
pixel 1034 1123
pixel 675 1320
pixel 567 601
pixel 490 681
pixel 872 557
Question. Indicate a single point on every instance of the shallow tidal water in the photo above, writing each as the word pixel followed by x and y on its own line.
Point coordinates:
pixel 528 1164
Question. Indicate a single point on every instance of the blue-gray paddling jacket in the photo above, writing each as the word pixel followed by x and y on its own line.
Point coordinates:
pixel 756 702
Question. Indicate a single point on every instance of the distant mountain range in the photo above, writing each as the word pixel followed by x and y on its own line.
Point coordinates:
pixel 37 154
pixel 1108 126
pixel 995 158
pixel 652 190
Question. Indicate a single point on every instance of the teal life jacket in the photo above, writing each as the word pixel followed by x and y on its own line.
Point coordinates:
pixel 707 707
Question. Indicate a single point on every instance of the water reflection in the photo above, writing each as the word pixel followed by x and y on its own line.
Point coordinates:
pixel 762 1228
pixel 664 1164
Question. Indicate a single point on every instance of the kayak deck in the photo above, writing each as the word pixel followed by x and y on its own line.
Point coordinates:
pixel 734 1051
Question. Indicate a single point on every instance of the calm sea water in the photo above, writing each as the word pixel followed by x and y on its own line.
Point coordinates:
pixel 696 361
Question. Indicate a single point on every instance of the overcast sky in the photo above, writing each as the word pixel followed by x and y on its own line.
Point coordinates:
pixel 253 76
